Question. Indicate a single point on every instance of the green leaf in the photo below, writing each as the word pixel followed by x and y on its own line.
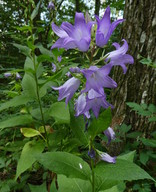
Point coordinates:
pixel 117 188
pixel 16 121
pixel 27 158
pixel 100 124
pixel 60 112
pixel 16 101
pixel 29 86
pixel 29 132
pixel 77 125
pixel 122 170
pixel 66 164
pixel 23 49
pixel 149 142
pixel 134 106
pixel 124 128
pixel 38 188
pixel 73 185
pixel 152 108
pixel 35 11
pixel 129 156
pixel 152 119
pixel 144 157
pixel 43 89
pixel 134 134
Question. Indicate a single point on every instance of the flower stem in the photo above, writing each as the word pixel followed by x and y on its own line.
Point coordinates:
pixel 93 176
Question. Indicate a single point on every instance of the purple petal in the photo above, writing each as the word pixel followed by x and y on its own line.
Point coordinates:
pixel 116 45
pixel 83 44
pixel 53 67
pixel 105 22
pixel 59 58
pixel 59 31
pixel 68 28
pixel 110 134
pixel 18 76
pixel 75 69
pixel 80 104
pixel 58 44
pixel 51 5
pixel 92 153
pixel 6 75
pixel 106 157
pixel 68 89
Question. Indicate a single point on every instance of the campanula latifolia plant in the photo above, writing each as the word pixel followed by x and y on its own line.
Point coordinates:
pixel 62 136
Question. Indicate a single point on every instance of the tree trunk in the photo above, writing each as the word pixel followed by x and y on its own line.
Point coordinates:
pixel 97 7
pixel 139 83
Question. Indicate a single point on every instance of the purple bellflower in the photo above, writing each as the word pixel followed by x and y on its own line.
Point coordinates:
pixel 53 67
pixel 93 100
pixel 51 5
pixel 119 56
pixel 97 78
pixel 8 74
pixel 92 153
pixel 106 157
pixel 105 28
pixel 73 36
pixel 59 58
pixel 110 134
pixel 80 106
pixel 18 76
pixel 75 69
pixel 68 74
pixel 68 89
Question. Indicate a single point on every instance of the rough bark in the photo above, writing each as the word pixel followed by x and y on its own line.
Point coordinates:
pixel 97 7
pixel 139 83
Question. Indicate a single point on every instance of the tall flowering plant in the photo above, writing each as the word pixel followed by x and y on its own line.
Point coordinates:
pixel 61 136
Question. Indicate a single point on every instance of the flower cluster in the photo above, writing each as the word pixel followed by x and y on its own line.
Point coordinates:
pixel 92 96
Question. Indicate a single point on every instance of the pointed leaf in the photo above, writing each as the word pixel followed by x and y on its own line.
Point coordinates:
pixel 27 158
pixel 29 132
pixel 66 164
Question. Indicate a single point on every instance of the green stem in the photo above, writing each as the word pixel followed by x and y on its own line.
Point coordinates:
pixel 37 91
pixel 93 176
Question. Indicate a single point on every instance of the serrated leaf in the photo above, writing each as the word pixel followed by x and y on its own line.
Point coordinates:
pixel 134 106
pixel 29 86
pixel 152 119
pixel 16 101
pixel 27 158
pixel 101 123
pixel 134 134
pixel 152 108
pixel 66 164
pixel 60 112
pixel 122 170
pixel 149 142
pixel 73 185
pixel 16 121
pixel 23 49
pixel 29 132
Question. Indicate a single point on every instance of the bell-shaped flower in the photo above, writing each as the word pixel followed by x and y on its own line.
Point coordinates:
pixel 51 5
pixel 110 134
pixel 53 67
pixel 105 28
pixel 68 89
pixel 73 36
pixel 97 78
pixel 106 157
pixel 59 58
pixel 18 76
pixel 95 101
pixel 92 153
pixel 119 56
pixel 80 106
pixel 7 74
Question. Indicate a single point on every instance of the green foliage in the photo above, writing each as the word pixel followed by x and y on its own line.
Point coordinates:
pixel 66 164
pixel 29 152
pixel 100 124
pixel 122 170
